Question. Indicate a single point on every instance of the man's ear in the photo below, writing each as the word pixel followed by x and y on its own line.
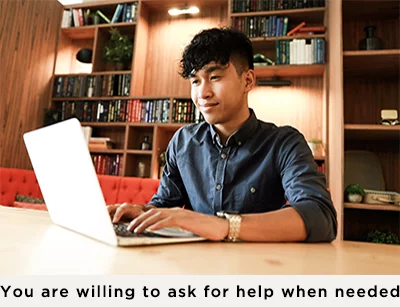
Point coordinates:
pixel 250 80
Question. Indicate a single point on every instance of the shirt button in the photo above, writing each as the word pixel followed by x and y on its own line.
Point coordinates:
pixel 252 190
pixel 223 156
pixel 239 143
pixel 218 187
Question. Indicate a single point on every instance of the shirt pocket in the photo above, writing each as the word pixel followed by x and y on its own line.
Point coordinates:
pixel 248 198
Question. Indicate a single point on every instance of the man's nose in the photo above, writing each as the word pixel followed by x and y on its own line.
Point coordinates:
pixel 204 91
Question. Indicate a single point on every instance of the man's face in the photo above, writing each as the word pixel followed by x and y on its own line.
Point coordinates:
pixel 220 93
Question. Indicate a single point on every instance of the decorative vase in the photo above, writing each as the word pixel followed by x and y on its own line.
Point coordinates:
pixel 354 198
pixel 371 42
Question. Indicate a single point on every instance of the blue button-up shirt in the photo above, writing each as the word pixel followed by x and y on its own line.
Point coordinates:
pixel 259 169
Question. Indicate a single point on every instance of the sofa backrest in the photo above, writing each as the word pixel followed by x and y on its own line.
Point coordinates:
pixel 15 181
pixel 116 190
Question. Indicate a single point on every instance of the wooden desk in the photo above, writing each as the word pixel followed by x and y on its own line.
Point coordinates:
pixel 31 244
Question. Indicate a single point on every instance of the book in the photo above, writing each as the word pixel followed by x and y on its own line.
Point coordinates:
pixel 296 28
pixel 313 29
pixel 117 13
pixel 98 12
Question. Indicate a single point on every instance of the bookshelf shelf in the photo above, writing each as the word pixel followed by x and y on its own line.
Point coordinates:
pixel 372 62
pixel 269 42
pixel 289 70
pixel 372 207
pixel 371 132
pixel 85 32
pixel 107 151
pixel 314 15
pixel 139 152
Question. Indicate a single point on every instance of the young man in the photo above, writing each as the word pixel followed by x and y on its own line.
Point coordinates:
pixel 234 173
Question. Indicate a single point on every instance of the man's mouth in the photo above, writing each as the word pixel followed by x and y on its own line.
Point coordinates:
pixel 207 107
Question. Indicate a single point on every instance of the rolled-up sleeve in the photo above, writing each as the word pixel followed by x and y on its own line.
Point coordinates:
pixel 171 192
pixel 305 187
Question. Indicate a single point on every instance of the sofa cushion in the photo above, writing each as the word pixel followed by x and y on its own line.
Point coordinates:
pixel 17 181
pixel 137 191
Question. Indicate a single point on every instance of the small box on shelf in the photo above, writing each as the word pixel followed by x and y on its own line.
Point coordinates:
pixel 96 143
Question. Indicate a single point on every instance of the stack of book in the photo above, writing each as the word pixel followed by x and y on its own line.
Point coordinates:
pixel 99 143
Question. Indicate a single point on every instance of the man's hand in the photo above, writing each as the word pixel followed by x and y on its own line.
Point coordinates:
pixel 206 226
pixel 126 211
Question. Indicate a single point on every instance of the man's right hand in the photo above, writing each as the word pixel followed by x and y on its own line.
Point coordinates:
pixel 126 211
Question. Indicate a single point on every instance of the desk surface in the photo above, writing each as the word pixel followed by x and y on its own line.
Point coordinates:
pixel 31 244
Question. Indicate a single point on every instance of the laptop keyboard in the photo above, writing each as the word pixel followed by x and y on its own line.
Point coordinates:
pixel 122 231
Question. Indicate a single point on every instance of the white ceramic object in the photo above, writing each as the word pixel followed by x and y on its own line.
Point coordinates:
pixel 355 198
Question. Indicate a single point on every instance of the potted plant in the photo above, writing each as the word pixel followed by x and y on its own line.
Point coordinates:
pixel 377 236
pixel 119 49
pixel 354 193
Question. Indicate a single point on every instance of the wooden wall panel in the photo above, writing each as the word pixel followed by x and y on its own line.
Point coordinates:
pixel 167 38
pixel 28 38
pixel 365 97
pixel 353 32
pixel 299 105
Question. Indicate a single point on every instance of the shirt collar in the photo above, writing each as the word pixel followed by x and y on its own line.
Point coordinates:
pixel 241 135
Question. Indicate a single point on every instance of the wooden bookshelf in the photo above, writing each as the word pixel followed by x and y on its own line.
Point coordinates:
pixel 370 84
pixel 372 62
pixel 372 132
pixel 372 207
pixel 289 70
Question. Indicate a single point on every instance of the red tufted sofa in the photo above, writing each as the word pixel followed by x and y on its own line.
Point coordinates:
pixel 116 190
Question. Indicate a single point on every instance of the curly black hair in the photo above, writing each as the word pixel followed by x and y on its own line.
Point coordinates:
pixel 220 45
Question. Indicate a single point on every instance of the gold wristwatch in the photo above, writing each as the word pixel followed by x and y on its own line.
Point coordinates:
pixel 234 225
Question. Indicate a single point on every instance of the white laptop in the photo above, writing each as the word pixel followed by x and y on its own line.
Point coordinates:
pixel 64 169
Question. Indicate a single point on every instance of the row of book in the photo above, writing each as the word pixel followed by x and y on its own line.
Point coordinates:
pixel 261 26
pixel 272 26
pixel 125 12
pixel 300 51
pixel 92 86
pixel 108 164
pixel 133 111
pixel 239 6
pixel 185 111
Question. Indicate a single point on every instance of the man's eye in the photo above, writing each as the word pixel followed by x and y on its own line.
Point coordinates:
pixel 195 82
pixel 214 77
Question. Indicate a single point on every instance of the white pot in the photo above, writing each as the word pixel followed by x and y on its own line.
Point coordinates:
pixel 355 198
